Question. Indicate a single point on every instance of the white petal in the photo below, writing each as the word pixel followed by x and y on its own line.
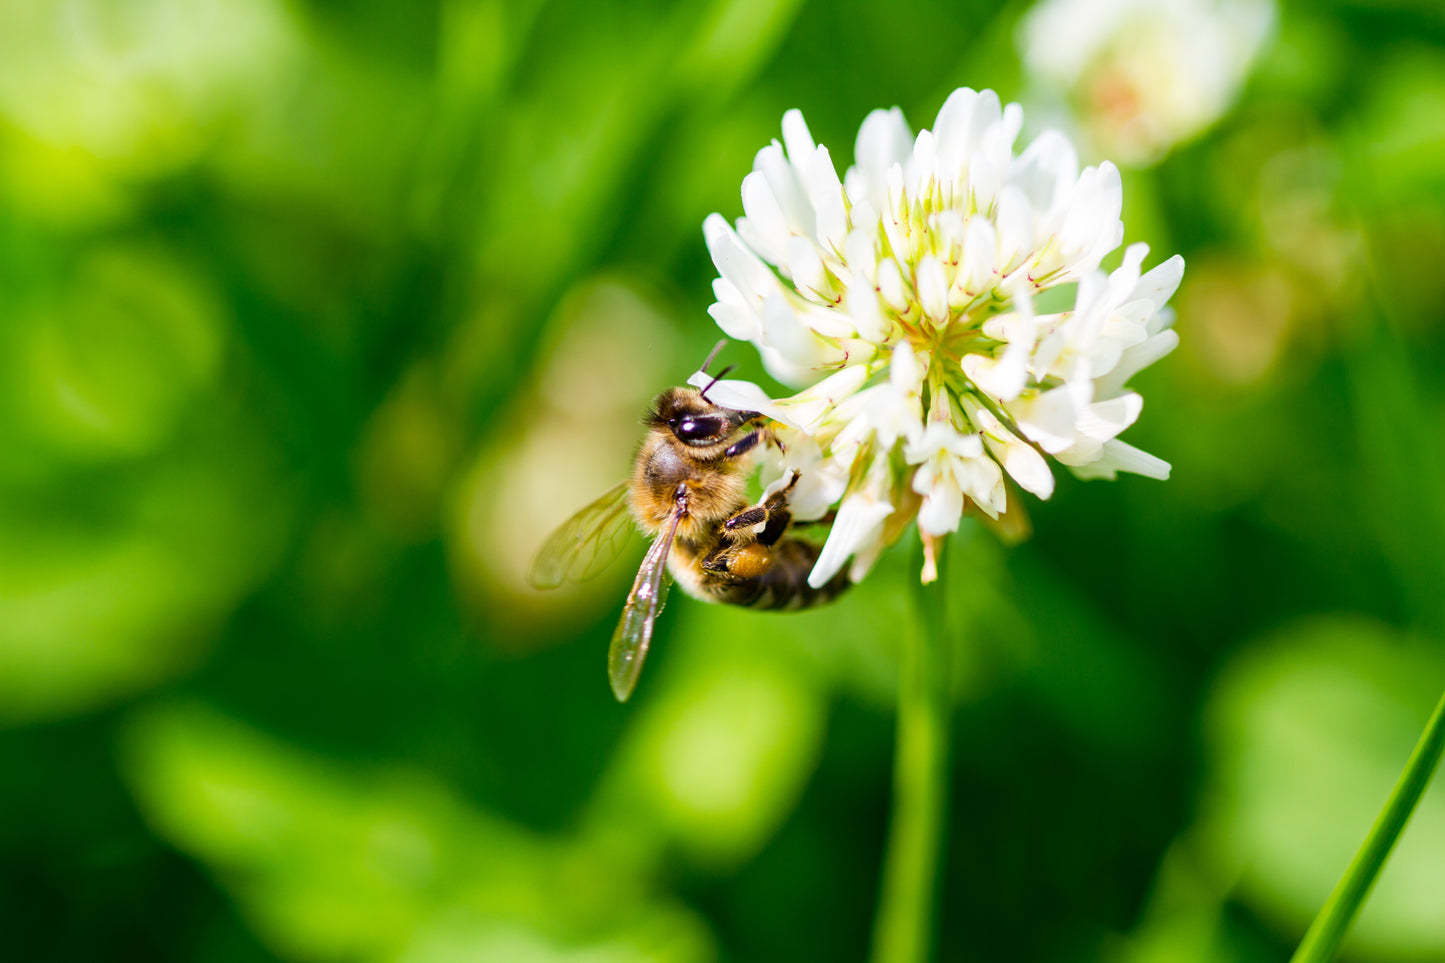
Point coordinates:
pixel 1119 456
pixel 894 410
pixel 1161 320
pixel 806 267
pixel 867 314
pixel 727 293
pixel 1002 377
pixel 826 193
pixel 825 321
pixel 860 251
pixel 921 168
pixel 765 229
pixel 948 227
pixel 1125 278
pixel 889 417
pixel 1046 171
pixel 905 374
pixel 952 130
pixel 968 446
pixel 883 141
pixel 1091 228
pixel 986 119
pixel 821 481
pixel 1105 419
pixel 942 507
pixel 890 285
pixel 1014 326
pixel 1134 360
pixel 993 136
pixel 933 289
pixel 1051 345
pixel 808 406
pixel 865 559
pixel 896 213
pixel 818 491
pixel 1048 418
pixel 1160 283
pixel 736 262
pixel 785 180
pixel 734 394
pixel 1122 329
pixel 980 257
pixel 1092 295
pixel 1024 465
pixel 796 137
pixel 982 480
pixel 858 525
pixel 921 450
pixel 938 441
pixel 784 369
pixel 784 331
pixel 735 322
pixel 1015 220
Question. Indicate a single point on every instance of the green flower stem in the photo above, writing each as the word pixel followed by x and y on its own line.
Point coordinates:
pixel 1329 928
pixel 903 931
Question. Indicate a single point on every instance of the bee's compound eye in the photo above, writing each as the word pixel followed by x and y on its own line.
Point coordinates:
pixel 698 429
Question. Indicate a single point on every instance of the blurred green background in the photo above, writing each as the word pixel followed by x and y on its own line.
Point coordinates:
pixel 316 315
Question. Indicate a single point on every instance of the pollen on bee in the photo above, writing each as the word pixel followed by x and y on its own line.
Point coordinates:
pixel 750 561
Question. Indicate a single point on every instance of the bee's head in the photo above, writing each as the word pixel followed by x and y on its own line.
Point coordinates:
pixel 693 420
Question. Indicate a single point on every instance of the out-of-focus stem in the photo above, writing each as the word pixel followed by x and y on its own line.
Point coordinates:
pixel 903 930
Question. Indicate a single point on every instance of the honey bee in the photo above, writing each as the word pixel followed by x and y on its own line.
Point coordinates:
pixel 687 490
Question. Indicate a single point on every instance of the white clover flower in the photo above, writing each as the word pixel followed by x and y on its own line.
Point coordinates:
pixel 1143 75
pixel 904 297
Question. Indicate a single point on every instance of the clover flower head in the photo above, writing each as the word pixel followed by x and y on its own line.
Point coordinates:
pixel 1143 75
pixel 901 299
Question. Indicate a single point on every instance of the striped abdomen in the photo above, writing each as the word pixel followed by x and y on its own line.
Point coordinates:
pixel 783 587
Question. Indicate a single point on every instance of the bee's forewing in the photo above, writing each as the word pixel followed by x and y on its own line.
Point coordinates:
pixel 584 544
pixel 634 631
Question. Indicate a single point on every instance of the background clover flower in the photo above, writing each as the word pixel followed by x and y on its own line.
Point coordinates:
pixel 905 300
pixel 1140 76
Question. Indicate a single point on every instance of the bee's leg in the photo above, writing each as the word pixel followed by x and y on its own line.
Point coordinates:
pixel 779 517
pixel 778 521
pixel 744 444
pixel 773 514
pixel 747 518
pixel 716 562
pixel 775 440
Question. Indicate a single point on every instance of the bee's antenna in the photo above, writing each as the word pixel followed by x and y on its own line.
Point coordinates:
pixel 713 354
pixel 715 379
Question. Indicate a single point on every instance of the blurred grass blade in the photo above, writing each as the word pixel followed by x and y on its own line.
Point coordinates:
pixel 1328 930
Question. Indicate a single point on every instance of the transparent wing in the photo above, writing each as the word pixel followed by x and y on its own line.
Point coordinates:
pixel 585 544
pixel 634 631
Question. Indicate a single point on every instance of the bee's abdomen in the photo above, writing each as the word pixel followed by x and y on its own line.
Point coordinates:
pixel 785 585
